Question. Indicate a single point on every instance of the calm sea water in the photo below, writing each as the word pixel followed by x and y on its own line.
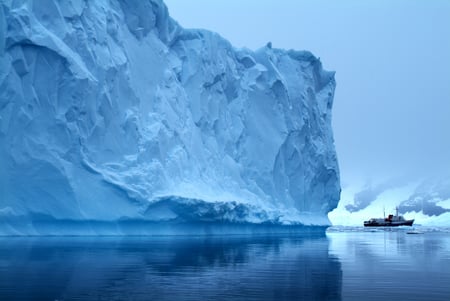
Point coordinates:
pixel 387 265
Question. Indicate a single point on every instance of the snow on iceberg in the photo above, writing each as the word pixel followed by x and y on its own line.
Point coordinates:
pixel 111 111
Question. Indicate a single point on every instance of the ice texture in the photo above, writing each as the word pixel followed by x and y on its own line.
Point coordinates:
pixel 110 111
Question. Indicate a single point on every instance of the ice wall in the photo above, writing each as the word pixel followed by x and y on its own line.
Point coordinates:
pixel 111 111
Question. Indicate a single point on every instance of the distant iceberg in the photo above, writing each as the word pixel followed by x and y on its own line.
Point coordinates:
pixel 110 112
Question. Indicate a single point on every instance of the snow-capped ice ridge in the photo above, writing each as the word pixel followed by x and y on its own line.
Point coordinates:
pixel 110 110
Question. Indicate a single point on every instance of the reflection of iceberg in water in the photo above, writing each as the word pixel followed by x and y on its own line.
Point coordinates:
pixel 161 268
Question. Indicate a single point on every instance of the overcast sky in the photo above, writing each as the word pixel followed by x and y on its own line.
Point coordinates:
pixel 392 62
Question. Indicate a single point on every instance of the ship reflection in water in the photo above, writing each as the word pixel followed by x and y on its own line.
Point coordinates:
pixel 169 268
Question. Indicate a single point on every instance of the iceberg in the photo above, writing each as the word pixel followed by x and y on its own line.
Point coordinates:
pixel 112 113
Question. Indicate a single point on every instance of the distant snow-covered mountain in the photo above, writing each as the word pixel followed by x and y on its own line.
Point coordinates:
pixel 427 201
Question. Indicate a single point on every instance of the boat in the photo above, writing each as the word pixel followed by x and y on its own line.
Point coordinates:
pixel 390 221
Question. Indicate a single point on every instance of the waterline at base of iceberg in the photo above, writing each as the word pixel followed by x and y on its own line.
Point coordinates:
pixel 170 215
pixel 48 227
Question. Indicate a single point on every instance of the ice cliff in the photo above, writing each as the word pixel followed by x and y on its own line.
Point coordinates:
pixel 111 112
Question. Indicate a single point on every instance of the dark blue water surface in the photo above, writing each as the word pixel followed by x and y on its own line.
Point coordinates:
pixel 328 266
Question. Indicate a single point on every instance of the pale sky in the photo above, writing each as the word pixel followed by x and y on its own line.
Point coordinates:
pixel 392 61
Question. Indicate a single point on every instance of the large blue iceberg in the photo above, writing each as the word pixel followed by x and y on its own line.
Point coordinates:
pixel 111 112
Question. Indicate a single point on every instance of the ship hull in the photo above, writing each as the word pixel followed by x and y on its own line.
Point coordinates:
pixel 389 224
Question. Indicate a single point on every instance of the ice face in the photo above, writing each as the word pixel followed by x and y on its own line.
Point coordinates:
pixel 111 111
